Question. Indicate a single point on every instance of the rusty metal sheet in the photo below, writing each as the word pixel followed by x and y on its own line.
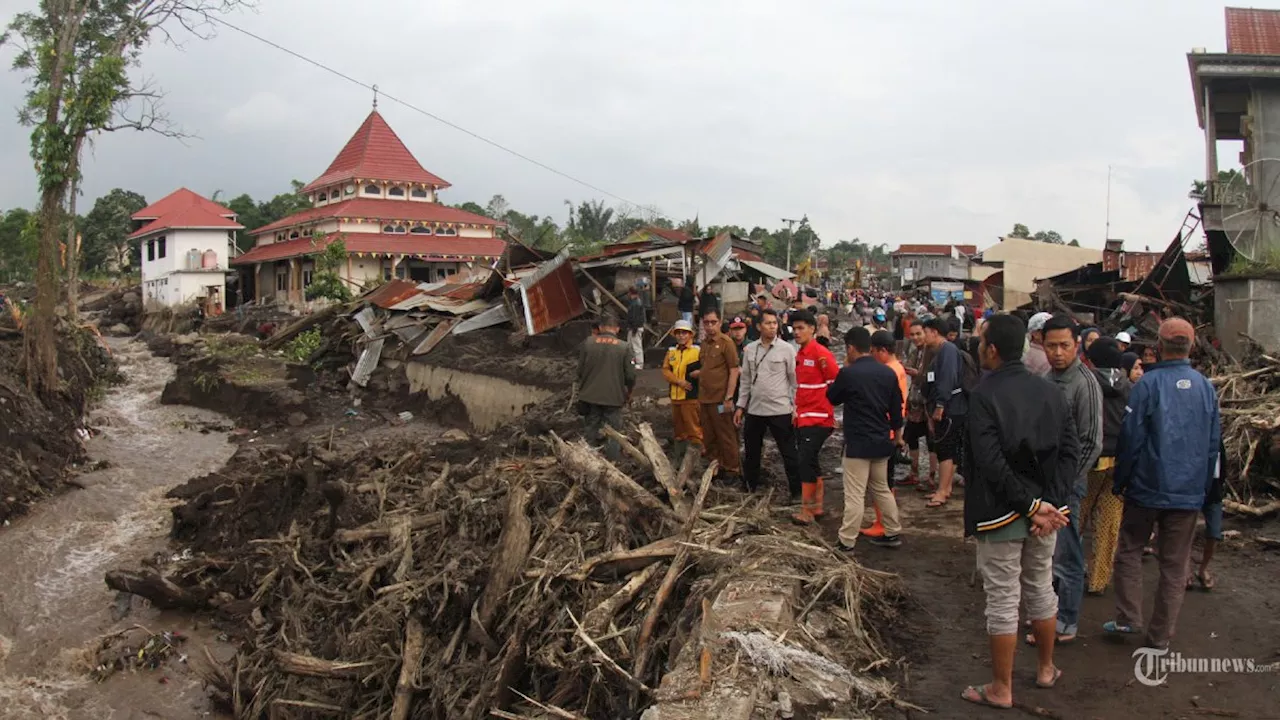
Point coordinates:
pixel 394 292
pixel 440 332
pixel 550 296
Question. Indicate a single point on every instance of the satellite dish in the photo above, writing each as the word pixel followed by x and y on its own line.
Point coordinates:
pixel 1250 223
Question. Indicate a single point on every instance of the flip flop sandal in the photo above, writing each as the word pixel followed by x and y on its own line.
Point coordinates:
pixel 1057 675
pixel 977 694
pixel 1207 582
pixel 936 503
pixel 1060 640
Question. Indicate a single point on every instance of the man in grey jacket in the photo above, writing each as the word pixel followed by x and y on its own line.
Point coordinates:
pixel 767 401
pixel 1084 397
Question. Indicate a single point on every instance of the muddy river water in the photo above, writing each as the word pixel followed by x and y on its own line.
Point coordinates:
pixel 54 605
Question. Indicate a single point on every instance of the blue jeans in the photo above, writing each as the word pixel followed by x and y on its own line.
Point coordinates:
pixel 1068 569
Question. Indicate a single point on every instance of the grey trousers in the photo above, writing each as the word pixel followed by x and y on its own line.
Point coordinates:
pixel 1173 553
pixel 1013 571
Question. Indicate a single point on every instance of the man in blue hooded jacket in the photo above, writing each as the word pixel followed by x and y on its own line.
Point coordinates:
pixel 1165 464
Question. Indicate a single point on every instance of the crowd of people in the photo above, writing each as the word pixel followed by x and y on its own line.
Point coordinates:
pixel 1053 429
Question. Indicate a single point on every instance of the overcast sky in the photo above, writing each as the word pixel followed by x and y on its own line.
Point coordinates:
pixel 888 120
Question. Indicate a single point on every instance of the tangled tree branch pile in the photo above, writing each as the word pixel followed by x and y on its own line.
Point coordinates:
pixel 397 582
pixel 1249 396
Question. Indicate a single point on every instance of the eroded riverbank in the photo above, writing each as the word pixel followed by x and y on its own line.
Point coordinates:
pixel 54 605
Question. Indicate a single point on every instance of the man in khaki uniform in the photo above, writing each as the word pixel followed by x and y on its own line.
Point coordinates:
pixel 606 376
pixel 717 381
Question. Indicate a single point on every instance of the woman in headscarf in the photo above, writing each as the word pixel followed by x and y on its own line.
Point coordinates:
pixel 1087 336
pixel 1132 366
pixel 823 333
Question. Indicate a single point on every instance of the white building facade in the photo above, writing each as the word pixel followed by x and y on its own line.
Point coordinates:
pixel 186 243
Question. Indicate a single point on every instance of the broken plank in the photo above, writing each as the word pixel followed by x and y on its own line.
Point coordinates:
pixel 434 337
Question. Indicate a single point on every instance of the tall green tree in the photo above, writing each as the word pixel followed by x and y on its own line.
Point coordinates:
pixel 1020 231
pixel 75 56
pixel 106 230
pixel 590 221
pixel 18 245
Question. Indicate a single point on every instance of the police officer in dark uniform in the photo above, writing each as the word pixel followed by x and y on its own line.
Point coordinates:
pixel 606 376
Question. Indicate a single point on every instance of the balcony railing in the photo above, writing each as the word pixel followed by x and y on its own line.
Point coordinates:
pixel 1230 194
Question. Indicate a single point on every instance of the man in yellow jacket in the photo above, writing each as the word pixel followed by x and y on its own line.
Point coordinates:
pixel 680 362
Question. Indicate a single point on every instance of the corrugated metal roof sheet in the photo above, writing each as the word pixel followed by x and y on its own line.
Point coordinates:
pixel 394 292
pixel 1253 32
pixel 551 296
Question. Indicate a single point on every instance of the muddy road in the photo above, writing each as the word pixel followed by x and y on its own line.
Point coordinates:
pixel 54 606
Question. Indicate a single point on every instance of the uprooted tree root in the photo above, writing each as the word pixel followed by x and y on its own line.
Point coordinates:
pixel 390 584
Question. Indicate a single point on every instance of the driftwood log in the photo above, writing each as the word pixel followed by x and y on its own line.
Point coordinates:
pixel 157 589
pixel 410 662
pixel 613 485
pixel 508 563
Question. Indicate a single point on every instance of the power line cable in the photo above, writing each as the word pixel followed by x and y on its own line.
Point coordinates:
pixel 437 118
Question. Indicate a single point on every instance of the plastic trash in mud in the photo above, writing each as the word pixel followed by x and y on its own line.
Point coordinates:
pixel 406 416
pixel 134 649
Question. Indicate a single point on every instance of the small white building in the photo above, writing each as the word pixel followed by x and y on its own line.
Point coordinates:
pixel 187 242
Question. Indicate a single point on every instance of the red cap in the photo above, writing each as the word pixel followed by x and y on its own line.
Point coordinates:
pixel 1176 327
pixel 737 321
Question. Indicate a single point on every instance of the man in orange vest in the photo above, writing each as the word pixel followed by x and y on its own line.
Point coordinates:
pixel 882 349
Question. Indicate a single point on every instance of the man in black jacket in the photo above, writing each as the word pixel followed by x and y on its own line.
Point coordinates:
pixel 1021 465
pixel 872 403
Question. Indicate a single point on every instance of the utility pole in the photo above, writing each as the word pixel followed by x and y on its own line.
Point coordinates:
pixel 791 235
pixel 1108 233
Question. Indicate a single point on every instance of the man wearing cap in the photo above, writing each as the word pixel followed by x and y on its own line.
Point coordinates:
pixel 766 402
pixel 1034 358
pixel 606 376
pixel 1125 340
pixel 1166 462
pixel 738 331
pixel 680 361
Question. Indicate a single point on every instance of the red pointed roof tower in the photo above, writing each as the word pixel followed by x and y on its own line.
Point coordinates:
pixel 379 200
pixel 375 152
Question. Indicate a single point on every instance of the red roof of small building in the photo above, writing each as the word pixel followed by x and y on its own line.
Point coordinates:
pixel 183 208
pixel 924 249
pixel 427 247
pixel 381 210
pixel 375 152
pixel 675 236
pixel 1253 32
